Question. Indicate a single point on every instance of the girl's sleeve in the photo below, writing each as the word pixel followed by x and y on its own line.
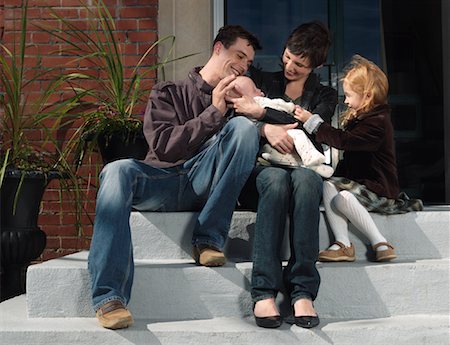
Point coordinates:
pixel 366 135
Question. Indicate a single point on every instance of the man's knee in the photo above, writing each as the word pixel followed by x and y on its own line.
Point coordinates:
pixel 116 168
pixel 244 129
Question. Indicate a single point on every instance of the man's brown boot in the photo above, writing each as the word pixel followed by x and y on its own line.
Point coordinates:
pixel 114 315
pixel 208 256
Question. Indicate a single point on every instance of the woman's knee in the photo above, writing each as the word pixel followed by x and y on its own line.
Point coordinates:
pixel 273 180
pixel 307 180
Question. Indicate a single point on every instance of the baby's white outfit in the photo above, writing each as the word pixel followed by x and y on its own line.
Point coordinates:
pixel 306 156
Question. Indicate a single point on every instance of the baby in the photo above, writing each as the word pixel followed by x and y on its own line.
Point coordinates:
pixel 307 155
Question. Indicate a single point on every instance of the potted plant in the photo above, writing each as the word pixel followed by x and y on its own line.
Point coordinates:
pixel 110 120
pixel 26 166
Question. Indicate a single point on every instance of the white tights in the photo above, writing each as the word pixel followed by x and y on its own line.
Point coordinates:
pixel 341 207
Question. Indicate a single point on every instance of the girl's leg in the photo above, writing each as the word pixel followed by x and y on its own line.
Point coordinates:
pixel 336 219
pixel 348 205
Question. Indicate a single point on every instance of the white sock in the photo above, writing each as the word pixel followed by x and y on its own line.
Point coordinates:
pixel 305 148
pixel 323 170
pixel 273 156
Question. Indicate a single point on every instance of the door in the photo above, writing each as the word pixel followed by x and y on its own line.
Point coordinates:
pixel 403 37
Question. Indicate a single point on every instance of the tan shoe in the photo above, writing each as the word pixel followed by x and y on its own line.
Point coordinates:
pixel 208 256
pixel 384 255
pixel 342 254
pixel 114 315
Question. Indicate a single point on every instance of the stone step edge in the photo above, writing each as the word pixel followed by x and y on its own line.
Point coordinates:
pixel 80 258
pixel 157 235
pixel 14 319
pixel 47 300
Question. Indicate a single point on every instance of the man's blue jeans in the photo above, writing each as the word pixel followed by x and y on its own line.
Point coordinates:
pixel 210 183
pixel 283 193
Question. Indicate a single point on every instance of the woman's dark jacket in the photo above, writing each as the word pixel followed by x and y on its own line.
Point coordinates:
pixel 316 98
pixel 369 151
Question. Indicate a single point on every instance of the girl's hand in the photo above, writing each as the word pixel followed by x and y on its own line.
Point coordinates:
pixel 278 137
pixel 247 106
pixel 301 114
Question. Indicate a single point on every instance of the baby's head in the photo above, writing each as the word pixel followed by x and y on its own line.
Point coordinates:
pixel 244 86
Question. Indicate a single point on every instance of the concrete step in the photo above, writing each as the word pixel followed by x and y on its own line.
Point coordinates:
pixel 179 290
pixel 17 329
pixel 415 235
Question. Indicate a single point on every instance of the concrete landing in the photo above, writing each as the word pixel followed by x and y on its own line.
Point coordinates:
pixel 17 329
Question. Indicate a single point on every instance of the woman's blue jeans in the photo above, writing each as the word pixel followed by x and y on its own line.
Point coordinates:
pixel 292 194
pixel 210 183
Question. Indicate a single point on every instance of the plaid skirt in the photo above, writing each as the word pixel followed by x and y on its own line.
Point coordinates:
pixel 374 203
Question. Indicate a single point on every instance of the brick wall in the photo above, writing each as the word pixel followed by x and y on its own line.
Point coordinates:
pixel 136 23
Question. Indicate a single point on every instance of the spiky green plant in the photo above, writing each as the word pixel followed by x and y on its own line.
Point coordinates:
pixel 20 113
pixel 110 105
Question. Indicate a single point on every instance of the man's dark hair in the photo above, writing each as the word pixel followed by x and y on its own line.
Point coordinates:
pixel 228 34
pixel 310 40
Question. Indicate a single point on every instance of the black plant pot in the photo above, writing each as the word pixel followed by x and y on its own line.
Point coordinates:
pixel 119 145
pixel 21 239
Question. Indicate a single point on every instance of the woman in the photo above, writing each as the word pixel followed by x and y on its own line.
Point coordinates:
pixel 284 191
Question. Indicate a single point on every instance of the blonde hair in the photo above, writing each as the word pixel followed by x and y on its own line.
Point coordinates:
pixel 368 80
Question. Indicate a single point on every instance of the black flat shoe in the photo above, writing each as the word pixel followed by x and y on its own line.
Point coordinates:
pixel 268 321
pixel 307 321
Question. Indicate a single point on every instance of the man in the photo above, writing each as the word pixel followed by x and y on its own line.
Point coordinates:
pixel 198 160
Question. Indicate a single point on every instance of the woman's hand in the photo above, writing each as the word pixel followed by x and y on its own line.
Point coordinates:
pixel 247 106
pixel 301 114
pixel 278 137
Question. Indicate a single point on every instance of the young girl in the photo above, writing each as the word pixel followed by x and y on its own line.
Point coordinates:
pixel 366 178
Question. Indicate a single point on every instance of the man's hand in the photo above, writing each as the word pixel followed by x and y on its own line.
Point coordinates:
pixel 247 106
pixel 220 91
pixel 278 137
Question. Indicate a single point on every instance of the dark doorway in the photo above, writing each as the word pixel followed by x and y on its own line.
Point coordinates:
pixel 413 44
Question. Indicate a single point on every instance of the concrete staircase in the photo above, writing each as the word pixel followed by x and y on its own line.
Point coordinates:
pixel 176 302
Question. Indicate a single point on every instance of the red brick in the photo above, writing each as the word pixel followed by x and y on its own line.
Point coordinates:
pixel 147 24
pixel 70 3
pixel 139 12
pixel 53 242
pixel 75 243
pixel 44 3
pixel 148 37
pixel 57 230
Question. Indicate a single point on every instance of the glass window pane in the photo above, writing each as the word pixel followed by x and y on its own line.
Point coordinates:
pixel 272 21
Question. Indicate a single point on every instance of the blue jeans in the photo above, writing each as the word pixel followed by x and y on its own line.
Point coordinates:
pixel 209 182
pixel 283 193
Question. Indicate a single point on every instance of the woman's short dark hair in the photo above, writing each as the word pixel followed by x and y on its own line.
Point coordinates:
pixel 228 34
pixel 310 40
